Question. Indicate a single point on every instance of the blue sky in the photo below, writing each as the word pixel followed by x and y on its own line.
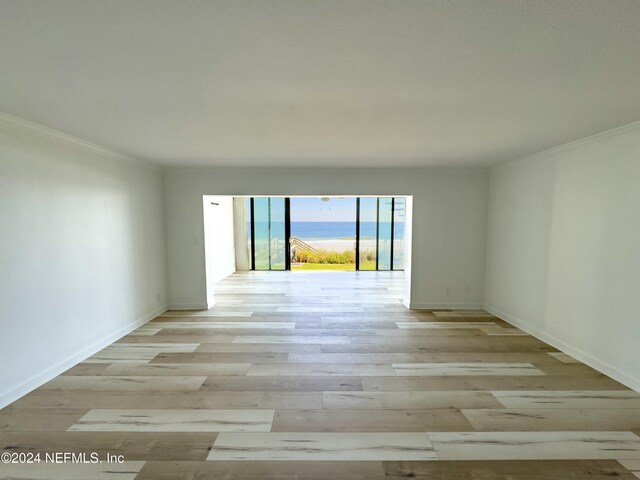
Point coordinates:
pixel 312 209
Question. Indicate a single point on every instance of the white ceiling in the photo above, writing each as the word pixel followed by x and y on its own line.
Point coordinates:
pixel 322 83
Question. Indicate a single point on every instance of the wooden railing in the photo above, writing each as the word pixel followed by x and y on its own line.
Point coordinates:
pixel 301 246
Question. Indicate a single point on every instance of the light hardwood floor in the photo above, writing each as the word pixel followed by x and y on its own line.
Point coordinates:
pixel 304 375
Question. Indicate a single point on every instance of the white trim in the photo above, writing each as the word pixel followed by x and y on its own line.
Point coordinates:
pixel 567 146
pixel 432 306
pixel 34 382
pixel 588 359
pixel 188 306
pixel 59 136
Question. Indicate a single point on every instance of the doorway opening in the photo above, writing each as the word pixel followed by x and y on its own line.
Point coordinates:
pixel 303 237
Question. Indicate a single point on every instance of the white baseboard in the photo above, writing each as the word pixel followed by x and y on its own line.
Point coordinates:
pixel 188 306
pixel 34 382
pixel 600 365
pixel 436 306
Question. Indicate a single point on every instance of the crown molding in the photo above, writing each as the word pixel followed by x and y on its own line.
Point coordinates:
pixel 58 136
pixel 582 142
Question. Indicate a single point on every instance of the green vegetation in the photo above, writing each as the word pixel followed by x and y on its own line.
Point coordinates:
pixel 326 257
pixel 329 260
pixel 367 257
pixel 368 264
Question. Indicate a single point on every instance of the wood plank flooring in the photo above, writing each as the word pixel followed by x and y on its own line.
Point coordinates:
pixel 306 375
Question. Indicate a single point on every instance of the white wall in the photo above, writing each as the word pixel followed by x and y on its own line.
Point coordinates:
pixel 408 251
pixel 563 256
pixel 449 220
pixel 220 254
pixel 82 256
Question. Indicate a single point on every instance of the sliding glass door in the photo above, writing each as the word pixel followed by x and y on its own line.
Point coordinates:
pixel 380 227
pixel 367 208
pixel 385 216
pixel 277 236
pixel 261 243
pixel 268 237
pixel 399 221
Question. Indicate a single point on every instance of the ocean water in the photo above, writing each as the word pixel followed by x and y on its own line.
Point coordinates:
pixel 340 230
pixel 324 230
pixel 329 230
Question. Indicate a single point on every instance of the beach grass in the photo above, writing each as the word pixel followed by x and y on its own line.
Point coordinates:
pixel 324 266
pixel 364 265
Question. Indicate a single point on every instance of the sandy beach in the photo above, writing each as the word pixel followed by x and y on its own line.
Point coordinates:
pixel 345 245
pixel 333 245
pixel 341 245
